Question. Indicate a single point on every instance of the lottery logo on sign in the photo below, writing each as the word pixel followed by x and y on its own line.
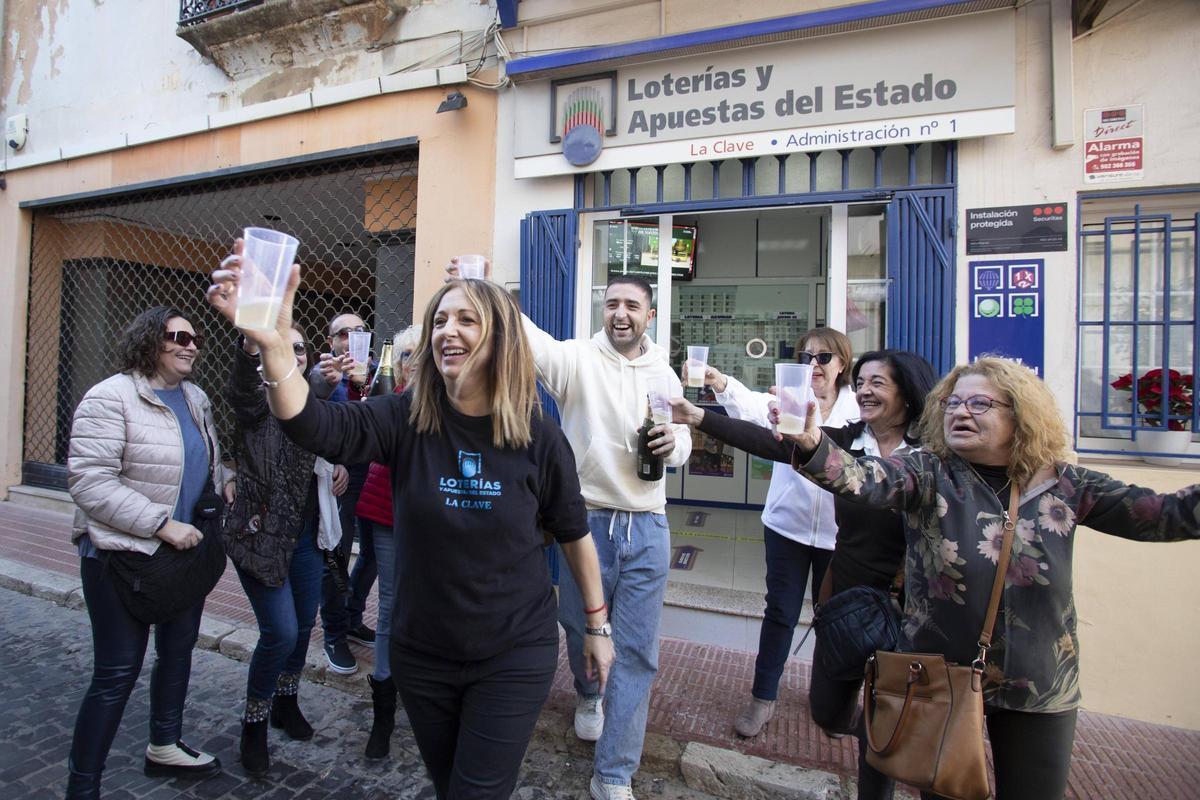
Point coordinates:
pixel 1022 305
pixel 988 279
pixel 469 464
pixel 989 305
pixel 1022 277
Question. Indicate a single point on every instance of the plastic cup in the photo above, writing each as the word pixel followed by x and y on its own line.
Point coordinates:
pixel 793 383
pixel 470 267
pixel 360 351
pixel 697 363
pixel 267 258
pixel 659 390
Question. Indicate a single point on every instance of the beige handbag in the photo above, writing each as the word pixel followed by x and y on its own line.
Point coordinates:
pixel 924 716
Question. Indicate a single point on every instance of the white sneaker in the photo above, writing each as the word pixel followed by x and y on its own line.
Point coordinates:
pixel 589 717
pixel 610 791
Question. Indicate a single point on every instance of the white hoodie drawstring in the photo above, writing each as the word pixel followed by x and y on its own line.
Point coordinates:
pixel 612 522
pixel 625 431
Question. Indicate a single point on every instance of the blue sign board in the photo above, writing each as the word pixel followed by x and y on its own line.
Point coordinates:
pixel 1007 303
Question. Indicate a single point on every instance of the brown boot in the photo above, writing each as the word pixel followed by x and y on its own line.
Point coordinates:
pixel 756 714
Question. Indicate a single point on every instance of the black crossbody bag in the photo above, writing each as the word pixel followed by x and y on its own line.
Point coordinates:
pixel 157 588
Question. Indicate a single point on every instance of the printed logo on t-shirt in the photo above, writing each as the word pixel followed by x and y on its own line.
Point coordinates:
pixel 469 464
pixel 469 490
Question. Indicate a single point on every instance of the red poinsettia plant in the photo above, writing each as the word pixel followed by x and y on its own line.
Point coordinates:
pixel 1152 389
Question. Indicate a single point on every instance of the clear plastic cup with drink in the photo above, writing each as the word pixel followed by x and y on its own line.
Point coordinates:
pixel 697 365
pixel 360 351
pixel 659 390
pixel 267 258
pixel 471 266
pixel 793 384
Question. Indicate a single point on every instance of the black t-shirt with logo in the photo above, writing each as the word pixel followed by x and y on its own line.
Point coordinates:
pixel 471 574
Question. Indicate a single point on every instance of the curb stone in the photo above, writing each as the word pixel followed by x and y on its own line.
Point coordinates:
pixel 723 773
pixel 736 776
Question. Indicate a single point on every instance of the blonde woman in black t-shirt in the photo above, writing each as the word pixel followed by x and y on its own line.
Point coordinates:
pixel 478 473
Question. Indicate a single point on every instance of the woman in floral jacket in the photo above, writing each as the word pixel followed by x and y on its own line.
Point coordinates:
pixel 994 422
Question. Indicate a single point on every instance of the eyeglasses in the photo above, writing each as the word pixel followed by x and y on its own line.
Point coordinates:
pixel 348 330
pixel 299 348
pixel 976 404
pixel 183 338
pixel 805 357
pixel 406 355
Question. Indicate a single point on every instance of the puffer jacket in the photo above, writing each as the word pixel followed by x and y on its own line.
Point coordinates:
pixel 273 480
pixel 125 461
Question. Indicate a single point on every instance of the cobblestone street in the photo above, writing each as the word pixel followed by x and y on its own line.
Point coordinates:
pixel 45 664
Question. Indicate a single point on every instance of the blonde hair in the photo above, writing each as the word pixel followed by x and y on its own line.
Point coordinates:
pixel 1039 438
pixel 407 339
pixel 839 343
pixel 508 373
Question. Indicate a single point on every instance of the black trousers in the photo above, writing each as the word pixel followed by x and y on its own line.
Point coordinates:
pixel 1032 753
pixel 473 719
pixel 834 705
pixel 119 642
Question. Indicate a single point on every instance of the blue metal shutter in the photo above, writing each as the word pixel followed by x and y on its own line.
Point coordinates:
pixel 920 256
pixel 548 251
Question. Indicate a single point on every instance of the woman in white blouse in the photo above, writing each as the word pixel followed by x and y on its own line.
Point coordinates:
pixel 799 529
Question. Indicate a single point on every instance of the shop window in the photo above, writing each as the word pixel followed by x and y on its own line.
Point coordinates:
pixel 1137 320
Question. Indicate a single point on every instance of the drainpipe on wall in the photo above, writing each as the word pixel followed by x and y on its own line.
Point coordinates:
pixel 1062 78
pixel 3 85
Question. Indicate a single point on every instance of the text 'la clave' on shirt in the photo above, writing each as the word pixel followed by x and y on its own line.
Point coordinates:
pixel 471 574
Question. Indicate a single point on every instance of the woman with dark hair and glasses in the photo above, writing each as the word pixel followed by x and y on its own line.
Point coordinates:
pixel 891 387
pixel 143 448
pixel 798 519
pixel 992 434
pixel 285 501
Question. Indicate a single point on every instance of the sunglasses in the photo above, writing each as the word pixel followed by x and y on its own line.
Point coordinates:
pixel 183 338
pixel 348 330
pixel 805 357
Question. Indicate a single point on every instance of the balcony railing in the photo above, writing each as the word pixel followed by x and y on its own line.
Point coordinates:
pixel 193 11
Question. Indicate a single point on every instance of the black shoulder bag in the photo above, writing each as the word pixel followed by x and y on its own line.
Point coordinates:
pixel 854 623
pixel 157 588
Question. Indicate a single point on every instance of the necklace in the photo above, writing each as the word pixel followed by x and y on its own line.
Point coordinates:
pixel 998 492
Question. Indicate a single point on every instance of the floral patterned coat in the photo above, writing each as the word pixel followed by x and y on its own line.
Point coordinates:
pixel 953 526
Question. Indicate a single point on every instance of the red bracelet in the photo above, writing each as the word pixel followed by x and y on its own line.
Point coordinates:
pixel 603 607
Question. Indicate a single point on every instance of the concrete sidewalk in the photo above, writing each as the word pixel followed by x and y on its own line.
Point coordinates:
pixel 698 692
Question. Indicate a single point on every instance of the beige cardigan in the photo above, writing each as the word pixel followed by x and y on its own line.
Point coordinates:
pixel 125 461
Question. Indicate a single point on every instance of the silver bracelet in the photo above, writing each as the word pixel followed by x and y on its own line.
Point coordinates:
pixel 270 384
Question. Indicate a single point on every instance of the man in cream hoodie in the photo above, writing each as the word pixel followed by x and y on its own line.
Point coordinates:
pixel 601 385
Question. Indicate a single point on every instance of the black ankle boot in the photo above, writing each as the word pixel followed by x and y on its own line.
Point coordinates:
pixel 82 785
pixel 285 713
pixel 255 759
pixel 383 699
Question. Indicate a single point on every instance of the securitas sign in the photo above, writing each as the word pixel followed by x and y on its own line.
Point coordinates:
pixel 944 79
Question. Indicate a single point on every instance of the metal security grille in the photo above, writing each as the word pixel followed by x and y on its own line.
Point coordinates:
pixel 97 263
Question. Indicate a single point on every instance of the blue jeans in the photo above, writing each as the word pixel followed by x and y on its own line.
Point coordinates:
pixel 634 551
pixel 285 616
pixel 340 613
pixel 119 642
pixel 385 562
pixel 790 565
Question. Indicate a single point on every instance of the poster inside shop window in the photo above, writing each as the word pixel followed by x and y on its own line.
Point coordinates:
pixel 1007 302
pixel 710 457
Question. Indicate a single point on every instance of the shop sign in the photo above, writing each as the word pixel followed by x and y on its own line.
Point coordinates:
pixel 1006 311
pixel 1040 228
pixel 1113 144
pixel 893 85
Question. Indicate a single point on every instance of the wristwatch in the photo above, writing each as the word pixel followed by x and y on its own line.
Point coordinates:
pixel 604 630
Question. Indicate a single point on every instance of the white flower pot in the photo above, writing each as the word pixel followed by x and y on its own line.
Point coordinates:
pixel 1163 441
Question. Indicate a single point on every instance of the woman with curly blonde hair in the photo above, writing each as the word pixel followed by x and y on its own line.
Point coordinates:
pixel 991 430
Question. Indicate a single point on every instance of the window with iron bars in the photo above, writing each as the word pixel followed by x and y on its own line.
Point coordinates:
pixel 1138 338
pixel 97 263
pixel 193 11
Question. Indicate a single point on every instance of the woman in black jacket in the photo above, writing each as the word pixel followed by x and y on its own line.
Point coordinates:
pixel 890 387
pixel 271 537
